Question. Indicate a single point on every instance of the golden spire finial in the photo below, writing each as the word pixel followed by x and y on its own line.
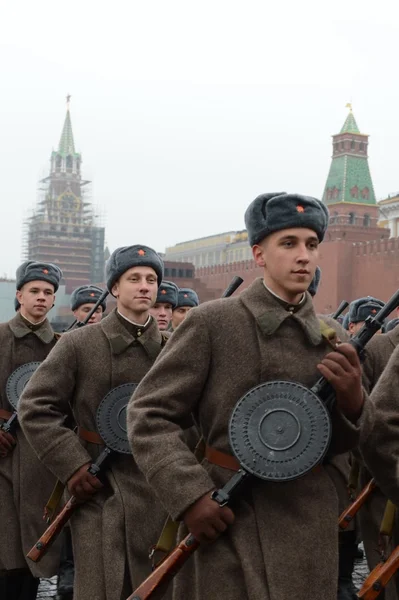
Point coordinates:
pixel 68 99
pixel 349 105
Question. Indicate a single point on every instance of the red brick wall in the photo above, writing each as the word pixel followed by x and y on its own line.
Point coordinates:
pixel 349 271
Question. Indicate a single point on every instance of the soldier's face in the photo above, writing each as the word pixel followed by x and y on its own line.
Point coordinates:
pixel 83 310
pixel 355 327
pixel 162 311
pixel 136 290
pixel 36 299
pixel 179 314
pixel 289 259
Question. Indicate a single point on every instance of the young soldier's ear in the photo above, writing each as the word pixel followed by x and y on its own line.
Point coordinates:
pixel 19 295
pixel 114 290
pixel 258 254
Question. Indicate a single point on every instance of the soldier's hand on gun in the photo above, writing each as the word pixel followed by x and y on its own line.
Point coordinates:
pixel 7 443
pixel 342 369
pixel 83 484
pixel 206 520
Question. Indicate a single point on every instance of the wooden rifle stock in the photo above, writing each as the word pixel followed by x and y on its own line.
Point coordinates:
pixel 380 577
pixel 156 583
pixel 154 586
pixel 349 513
pixel 53 531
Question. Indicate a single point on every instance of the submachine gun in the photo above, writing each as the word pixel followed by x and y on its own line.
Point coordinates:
pixel 14 388
pixel 279 431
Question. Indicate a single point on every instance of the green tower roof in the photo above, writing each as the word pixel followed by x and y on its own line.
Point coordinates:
pixel 349 179
pixel 350 125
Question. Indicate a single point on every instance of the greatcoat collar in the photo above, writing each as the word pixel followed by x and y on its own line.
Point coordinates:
pixel 21 327
pixel 270 313
pixel 120 338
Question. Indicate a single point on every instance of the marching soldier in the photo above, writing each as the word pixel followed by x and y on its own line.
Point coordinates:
pixel 187 299
pixel 280 540
pixel 165 304
pixel 378 353
pixel 25 483
pixel 359 310
pixel 120 518
pixel 82 300
pixel 380 448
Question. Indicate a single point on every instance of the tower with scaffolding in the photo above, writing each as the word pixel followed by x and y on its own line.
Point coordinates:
pixel 64 228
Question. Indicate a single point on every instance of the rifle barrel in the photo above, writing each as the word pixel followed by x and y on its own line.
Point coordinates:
pixel 340 309
pixel 233 285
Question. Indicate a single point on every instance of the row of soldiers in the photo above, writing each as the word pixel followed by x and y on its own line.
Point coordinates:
pixel 25 482
pixel 280 539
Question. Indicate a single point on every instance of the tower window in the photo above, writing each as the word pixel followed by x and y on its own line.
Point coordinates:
pixel 353 144
pixel 69 162
pixel 361 147
pixel 342 145
pixel 366 221
pixel 365 193
pixel 352 218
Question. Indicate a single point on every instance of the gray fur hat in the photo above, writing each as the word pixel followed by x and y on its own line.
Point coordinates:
pixel 345 322
pixel 390 325
pixel 87 294
pixel 277 211
pixel 187 297
pixel 314 284
pixel 362 308
pixel 168 293
pixel 127 257
pixel 31 270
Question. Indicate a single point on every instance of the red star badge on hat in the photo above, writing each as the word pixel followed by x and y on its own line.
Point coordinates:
pixel 45 271
pixel 373 311
pixel 186 295
pixel 92 295
pixel 141 252
pixel 163 292
pixel 300 208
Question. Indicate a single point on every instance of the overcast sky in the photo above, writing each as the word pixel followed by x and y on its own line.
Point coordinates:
pixel 185 111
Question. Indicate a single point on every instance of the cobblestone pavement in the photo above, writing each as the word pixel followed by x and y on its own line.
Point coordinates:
pixel 360 573
pixel 48 586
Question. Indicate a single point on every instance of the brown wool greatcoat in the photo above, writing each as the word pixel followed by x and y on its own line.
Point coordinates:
pixel 25 483
pixel 112 532
pixel 378 353
pixel 284 542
